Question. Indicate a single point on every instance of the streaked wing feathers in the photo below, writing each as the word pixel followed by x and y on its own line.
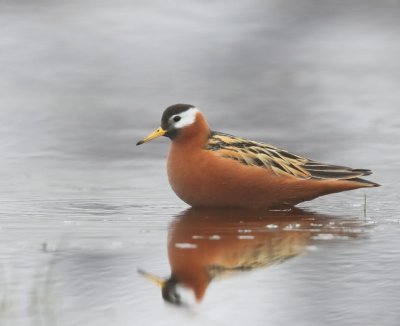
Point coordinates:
pixel 279 161
pixel 324 171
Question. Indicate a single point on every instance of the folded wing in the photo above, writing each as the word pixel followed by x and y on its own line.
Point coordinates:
pixel 277 160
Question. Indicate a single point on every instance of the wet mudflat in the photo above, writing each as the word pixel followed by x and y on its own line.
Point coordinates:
pixel 82 209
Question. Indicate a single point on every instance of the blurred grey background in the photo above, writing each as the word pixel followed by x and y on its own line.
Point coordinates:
pixel 80 77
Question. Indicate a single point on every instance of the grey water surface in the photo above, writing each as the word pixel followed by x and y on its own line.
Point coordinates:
pixel 82 208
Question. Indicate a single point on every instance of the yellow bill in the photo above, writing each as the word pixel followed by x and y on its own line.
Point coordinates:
pixel 155 134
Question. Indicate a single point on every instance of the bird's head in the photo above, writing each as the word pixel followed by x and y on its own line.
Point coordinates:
pixel 178 119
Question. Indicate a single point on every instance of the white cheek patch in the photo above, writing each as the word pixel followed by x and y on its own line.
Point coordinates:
pixel 187 118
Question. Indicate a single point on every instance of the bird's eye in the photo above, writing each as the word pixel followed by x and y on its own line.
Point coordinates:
pixel 177 118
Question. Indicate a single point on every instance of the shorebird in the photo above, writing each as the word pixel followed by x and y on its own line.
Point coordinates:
pixel 208 168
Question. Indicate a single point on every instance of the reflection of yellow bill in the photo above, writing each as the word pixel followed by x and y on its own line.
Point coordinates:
pixel 159 281
pixel 155 134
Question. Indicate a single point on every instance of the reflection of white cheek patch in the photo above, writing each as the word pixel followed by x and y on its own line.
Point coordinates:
pixel 187 295
pixel 187 118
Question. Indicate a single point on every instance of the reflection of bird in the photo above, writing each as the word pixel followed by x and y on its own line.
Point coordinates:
pixel 212 169
pixel 205 244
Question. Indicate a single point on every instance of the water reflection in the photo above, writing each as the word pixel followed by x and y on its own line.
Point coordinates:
pixel 206 244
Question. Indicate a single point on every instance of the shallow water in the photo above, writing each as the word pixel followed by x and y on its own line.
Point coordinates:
pixel 82 208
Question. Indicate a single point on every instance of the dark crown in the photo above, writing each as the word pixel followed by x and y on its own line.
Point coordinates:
pixel 171 111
